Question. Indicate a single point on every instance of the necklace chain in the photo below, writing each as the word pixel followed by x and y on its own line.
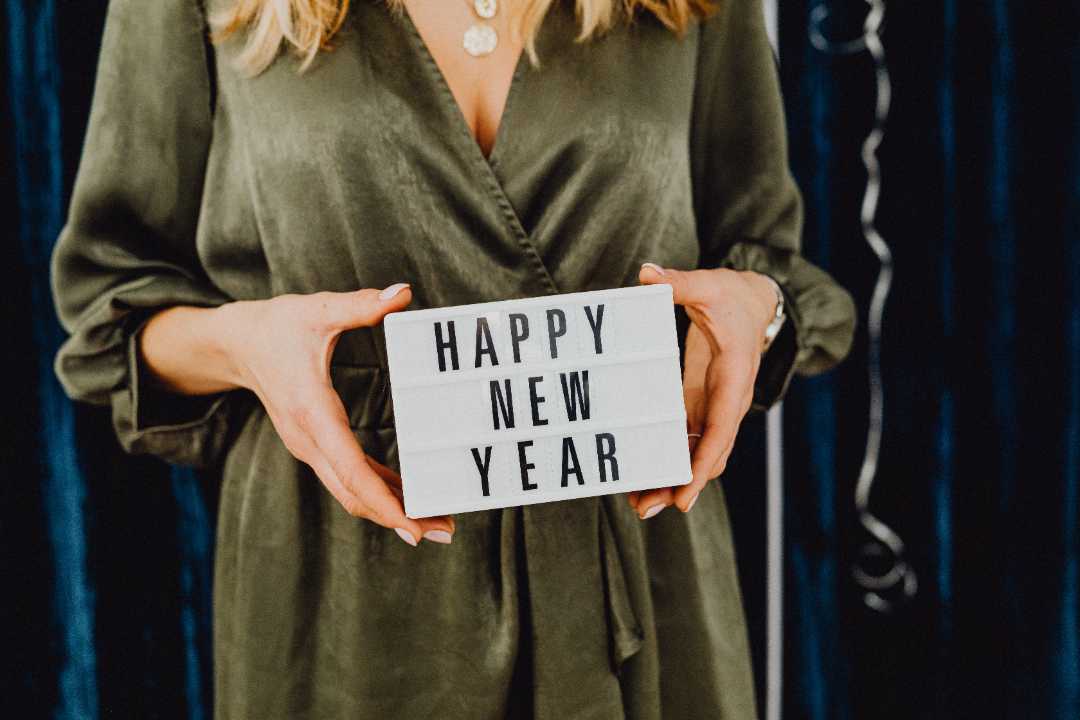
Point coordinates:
pixel 480 38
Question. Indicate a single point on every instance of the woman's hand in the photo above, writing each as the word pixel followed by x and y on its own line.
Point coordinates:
pixel 729 312
pixel 280 349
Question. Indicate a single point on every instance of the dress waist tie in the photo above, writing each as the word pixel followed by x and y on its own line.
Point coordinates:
pixel 584 626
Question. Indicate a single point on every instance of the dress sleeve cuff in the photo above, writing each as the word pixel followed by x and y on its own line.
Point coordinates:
pixel 180 429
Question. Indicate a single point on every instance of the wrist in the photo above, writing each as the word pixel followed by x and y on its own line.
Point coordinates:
pixel 188 350
pixel 224 342
pixel 777 305
pixel 763 291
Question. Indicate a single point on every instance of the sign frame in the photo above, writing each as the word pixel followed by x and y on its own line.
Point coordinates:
pixel 654 347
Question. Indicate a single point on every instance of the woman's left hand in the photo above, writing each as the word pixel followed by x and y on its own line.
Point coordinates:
pixel 729 311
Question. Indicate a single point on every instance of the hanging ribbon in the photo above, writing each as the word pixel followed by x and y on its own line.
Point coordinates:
pixel 886 548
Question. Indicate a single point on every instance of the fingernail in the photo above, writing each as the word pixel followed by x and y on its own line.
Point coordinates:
pixel 392 290
pixel 406 536
pixel 439 536
pixel 652 511
pixel 654 266
pixel 692 501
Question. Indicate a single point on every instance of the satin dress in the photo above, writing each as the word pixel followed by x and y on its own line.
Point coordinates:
pixel 199 186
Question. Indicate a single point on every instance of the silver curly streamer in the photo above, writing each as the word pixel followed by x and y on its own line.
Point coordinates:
pixel 886 545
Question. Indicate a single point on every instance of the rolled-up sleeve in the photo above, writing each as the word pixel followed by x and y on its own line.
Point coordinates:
pixel 128 246
pixel 748 206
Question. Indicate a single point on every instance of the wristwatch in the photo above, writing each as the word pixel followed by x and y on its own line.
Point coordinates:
pixel 778 318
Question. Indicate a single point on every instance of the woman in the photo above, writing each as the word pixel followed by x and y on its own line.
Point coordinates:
pixel 235 213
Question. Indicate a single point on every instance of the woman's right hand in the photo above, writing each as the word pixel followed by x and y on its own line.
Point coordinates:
pixel 280 349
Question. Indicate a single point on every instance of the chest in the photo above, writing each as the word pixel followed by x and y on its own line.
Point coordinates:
pixel 404 81
pixel 370 167
pixel 475 48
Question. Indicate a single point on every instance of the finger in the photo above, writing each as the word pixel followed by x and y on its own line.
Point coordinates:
pixel 300 445
pixel 363 308
pixel 330 480
pixel 688 288
pixel 327 426
pixel 725 456
pixel 445 523
pixel 696 408
pixel 706 454
pixel 632 498
pixel 653 501
pixel 344 495
pixel 696 364
pixel 718 437
pixel 437 529
pixel 387 474
pixel 721 462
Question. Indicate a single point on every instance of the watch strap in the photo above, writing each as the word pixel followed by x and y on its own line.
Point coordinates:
pixel 773 328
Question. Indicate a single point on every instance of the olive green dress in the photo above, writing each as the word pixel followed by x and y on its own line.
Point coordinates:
pixel 198 186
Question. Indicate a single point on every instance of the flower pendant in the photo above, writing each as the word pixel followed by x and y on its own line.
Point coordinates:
pixel 480 39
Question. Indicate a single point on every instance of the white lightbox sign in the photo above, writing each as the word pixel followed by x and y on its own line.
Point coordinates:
pixel 549 398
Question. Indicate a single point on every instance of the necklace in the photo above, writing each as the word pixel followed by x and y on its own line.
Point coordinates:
pixel 480 38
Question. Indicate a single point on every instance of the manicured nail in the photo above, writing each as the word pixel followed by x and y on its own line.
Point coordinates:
pixel 691 504
pixel 406 536
pixel 392 290
pixel 439 536
pixel 654 266
pixel 652 511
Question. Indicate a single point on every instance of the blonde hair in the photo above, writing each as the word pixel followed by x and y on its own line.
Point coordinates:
pixel 308 26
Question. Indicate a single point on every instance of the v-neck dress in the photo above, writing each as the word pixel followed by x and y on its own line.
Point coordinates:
pixel 198 186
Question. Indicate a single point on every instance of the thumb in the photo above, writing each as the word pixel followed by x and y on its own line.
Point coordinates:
pixel 367 307
pixel 686 287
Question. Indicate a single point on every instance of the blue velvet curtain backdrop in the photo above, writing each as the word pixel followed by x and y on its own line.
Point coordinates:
pixel 107 558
